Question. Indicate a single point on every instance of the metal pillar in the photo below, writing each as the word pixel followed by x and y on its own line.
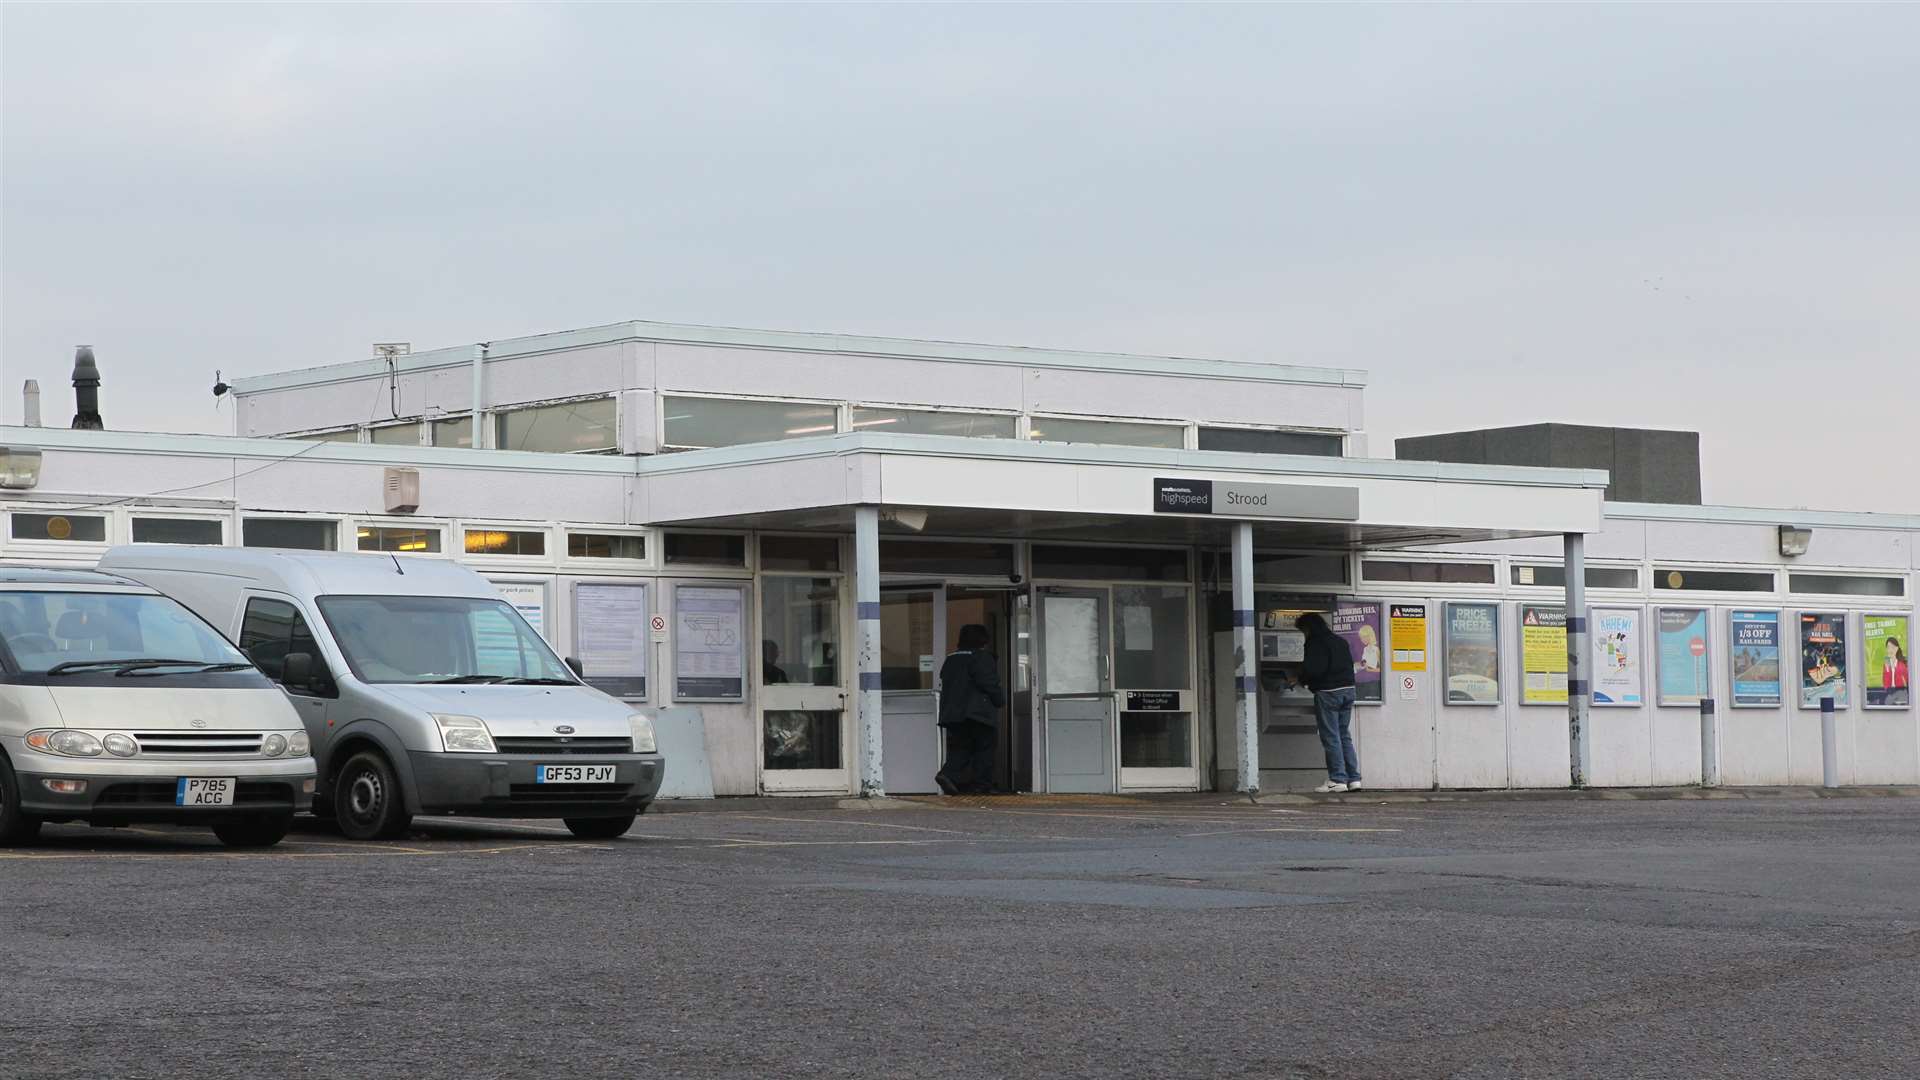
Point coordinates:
pixel 1246 657
pixel 1709 745
pixel 1579 660
pixel 866 593
pixel 1829 745
pixel 482 438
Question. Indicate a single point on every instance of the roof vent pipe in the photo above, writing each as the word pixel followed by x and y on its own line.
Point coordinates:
pixel 30 404
pixel 86 391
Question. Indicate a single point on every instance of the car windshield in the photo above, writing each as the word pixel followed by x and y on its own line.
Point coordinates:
pixel 59 632
pixel 439 639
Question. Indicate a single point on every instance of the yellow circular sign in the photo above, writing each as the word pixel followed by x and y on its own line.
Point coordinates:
pixel 1675 579
pixel 59 528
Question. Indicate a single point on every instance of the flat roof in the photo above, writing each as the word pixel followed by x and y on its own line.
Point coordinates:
pixel 801 341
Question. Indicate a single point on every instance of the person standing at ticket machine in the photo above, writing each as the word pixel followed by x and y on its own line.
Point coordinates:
pixel 1328 672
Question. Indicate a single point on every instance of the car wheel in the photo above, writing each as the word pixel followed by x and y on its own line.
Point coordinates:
pixel 600 828
pixel 367 802
pixel 254 832
pixel 15 827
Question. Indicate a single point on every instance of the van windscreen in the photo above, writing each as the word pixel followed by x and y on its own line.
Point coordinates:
pixel 60 632
pixel 439 639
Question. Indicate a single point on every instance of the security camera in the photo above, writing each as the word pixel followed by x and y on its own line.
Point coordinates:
pixel 1016 577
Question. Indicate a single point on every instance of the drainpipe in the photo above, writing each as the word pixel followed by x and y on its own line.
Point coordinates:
pixel 482 438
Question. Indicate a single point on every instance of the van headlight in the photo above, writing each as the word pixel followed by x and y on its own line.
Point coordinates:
pixel 274 745
pixel 120 745
pixel 298 744
pixel 643 741
pixel 464 734
pixel 70 743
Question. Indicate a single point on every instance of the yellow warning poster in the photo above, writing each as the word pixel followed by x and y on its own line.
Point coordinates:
pixel 1407 629
pixel 1543 655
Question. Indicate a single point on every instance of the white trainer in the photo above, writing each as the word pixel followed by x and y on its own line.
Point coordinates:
pixel 1329 788
pixel 1353 785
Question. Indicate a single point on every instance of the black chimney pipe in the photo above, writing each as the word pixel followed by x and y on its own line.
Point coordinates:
pixel 86 391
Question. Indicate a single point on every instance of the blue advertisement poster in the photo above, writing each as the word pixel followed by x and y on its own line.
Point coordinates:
pixel 1756 658
pixel 1684 677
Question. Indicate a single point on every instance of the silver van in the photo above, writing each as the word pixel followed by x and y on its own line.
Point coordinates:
pixel 423 690
pixel 119 705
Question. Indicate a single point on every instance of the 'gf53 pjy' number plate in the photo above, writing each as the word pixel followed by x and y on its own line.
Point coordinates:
pixel 575 774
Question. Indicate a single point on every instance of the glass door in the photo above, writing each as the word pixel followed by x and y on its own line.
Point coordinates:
pixel 1153 686
pixel 912 645
pixel 1076 688
pixel 803 695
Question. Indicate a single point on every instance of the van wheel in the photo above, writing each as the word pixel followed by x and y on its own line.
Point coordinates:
pixel 254 832
pixel 600 828
pixel 366 799
pixel 15 827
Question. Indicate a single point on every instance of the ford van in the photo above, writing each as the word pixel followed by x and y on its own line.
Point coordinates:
pixel 423 691
pixel 118 705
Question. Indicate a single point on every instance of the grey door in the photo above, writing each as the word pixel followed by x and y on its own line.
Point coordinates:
pixel 911 647
pixel 1076 687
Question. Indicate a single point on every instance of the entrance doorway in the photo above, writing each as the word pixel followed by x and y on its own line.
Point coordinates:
pixel 1116 686
pixel 919 623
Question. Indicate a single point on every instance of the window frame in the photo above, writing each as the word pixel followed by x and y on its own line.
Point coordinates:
pixel 749 554
pixel 1342 435
pixel 660 396
pixel 1013 415
pixel 498 414
pixel 107 530
pixel 650 537
pixel 1658 567
pixel 339 523
pixel 419 437
pixel 545 559
pixel 1185 427
pixel 1851 598
pixel 399 523
pixel 1514 567
pixel 223 521
pixel 1432 588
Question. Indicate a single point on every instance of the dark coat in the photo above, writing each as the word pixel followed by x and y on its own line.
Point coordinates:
pixel 970 689
pixel 1329 661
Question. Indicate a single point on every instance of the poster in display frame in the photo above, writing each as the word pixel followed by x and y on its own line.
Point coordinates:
pixel 1753 643
pixel 1470 653
pixel 1683 656
pixel 610 634
pixel 710 641
pixel 1359 624
pixel 1542 640
pixel 1823 661
pixel 1619 658
pixel 1899 696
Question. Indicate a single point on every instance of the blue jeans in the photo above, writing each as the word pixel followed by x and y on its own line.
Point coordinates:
pixel 1334 711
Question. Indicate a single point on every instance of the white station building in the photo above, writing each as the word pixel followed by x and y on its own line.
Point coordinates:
pixel 771 540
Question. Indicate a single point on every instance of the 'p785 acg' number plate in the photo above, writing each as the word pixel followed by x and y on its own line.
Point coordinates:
pixel 575 774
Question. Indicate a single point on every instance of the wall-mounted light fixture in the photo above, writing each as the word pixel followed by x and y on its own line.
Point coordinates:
pixel 19 467
pixel 1794 539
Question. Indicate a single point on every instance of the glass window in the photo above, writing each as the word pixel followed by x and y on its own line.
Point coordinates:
pixel 295 533
pixel 396 538
pixel 84 529
pixel 1150 637
pixel 453 432
pixel 343 435
pixel 944 557
pixel 271 631
pixel 1156 740
pixel 693 422
pixel 506 542
pixel 1846 585
pixel 1251 441
pixel 570 427
pixel 46 629
pixel 706 549
pixel 1108 432
pixel 396 435
pixel 907 659
pixel 929 422
pixel 801 739
pixel 148 530
pixel 800 631
pixel 1669 577
pixel 1554 575
pixel 1110 564
pixel 586 545
pixel 1274 568
pixel 800 553
pixel 439 639
pixel 1438 573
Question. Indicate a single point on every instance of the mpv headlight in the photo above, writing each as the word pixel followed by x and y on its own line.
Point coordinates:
pixel 274 745
pixel 643 742
pixel 120 745
pixel 298 744
pixel 464 734
pixel 74 744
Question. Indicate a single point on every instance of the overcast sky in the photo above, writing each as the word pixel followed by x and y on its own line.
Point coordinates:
pixel 1700 216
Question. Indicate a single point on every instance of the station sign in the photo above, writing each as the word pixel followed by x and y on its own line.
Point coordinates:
pixel 1234 498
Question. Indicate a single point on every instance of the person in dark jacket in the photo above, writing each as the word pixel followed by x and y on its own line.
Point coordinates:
pixel 970 702
pixel 1328 672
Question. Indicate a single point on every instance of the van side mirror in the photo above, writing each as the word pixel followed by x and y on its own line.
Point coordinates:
pixel 297 670
pixel 574 665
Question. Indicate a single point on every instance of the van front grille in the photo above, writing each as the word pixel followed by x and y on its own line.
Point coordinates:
pixel 198 743
pixel 534 794
pixel 571 744
pixel 258 794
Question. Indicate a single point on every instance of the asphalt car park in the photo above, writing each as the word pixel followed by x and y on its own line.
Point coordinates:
pixel 968 937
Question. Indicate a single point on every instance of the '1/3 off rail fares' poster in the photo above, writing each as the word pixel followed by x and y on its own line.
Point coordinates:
pixel 1756 658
